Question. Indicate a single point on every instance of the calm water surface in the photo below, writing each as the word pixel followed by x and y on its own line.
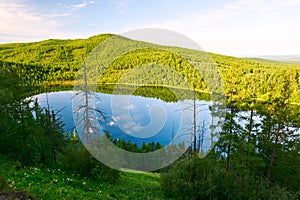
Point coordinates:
pixel 138 119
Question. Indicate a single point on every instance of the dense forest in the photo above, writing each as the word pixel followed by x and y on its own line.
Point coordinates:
pixel 55 62
pixel 254 160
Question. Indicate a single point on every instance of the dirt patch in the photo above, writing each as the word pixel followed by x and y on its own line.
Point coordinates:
pixel 18 195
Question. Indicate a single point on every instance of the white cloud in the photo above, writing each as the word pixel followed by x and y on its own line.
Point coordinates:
pixel 75 7
pixel 111 123
pixel 19 20
pixel 79 6
pixel 22 22
pixel 92 2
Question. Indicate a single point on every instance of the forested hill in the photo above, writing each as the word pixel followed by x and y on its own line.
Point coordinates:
pixel 57 61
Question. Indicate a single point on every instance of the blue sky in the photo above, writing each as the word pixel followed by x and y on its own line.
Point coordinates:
pixel 230 27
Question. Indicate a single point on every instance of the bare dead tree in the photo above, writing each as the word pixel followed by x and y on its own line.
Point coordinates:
pixel 51 137
pixel 193 128
pixel 86 112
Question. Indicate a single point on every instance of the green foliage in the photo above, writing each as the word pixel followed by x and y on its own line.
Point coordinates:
pixel 78 160
pixel 52 62
pixel 28 133
pixel 47 62
pixel 24 136
pixel 244 78
pixel 153 67
pixel 252 159
pixel 167 94
pixel 132 147
pixel 207 179
pixel 238 167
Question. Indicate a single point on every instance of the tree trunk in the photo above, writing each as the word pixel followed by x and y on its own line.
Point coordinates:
pixel 86 121
pixel 273 153
pixel 250 134
pixel 195 124
pixel 228 159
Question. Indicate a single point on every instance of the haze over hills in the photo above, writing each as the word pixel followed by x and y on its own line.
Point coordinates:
pixel 281 58
pixel 285 58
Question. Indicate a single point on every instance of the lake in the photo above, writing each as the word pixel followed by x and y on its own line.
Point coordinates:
pixel 139 119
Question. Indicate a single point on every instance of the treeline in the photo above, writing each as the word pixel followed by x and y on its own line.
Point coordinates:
pixel 166 94
pixel 133 147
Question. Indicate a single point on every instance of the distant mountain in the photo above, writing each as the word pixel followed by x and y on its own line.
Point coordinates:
pixel 283 58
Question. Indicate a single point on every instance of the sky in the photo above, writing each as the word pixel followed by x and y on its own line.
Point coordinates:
pixel 229 27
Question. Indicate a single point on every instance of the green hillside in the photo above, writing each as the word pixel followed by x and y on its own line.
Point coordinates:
pixel 57 61
pixel 49 183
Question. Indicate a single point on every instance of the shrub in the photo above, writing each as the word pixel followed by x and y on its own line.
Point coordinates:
pixel 77 159
pixel 207 179
pixel 189 180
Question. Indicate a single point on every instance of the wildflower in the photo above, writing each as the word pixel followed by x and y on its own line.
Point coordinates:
pixel 11 183
pixel 69 179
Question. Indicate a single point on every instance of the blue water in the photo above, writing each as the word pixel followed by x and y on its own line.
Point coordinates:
pixel 133 119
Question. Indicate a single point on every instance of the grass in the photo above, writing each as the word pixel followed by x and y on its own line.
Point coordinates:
pixel 47 183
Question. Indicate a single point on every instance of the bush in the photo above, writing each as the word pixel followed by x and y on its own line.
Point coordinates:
pixel 190 180
pixel 77 159
pixel 207 179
